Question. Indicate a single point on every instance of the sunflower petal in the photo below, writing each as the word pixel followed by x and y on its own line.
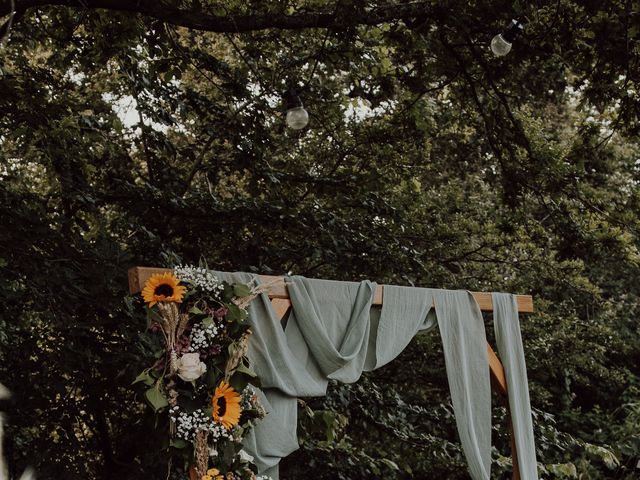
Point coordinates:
pixel 226 405
pixel 163 287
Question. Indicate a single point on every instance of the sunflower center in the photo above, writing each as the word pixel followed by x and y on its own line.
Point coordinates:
pixel 222 406
pixel 163 289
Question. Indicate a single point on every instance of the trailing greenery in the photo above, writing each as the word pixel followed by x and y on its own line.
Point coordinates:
pixel 427 161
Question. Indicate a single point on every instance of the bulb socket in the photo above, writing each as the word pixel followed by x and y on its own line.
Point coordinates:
pixel 514 29
pixel 292 99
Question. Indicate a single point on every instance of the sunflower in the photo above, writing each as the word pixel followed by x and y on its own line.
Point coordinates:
pixel 162 287
pixel 226 405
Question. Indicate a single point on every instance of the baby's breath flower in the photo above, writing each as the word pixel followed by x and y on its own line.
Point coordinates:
pixel 203 337
pixel 200 278
pixel 187 424
pixel 250 401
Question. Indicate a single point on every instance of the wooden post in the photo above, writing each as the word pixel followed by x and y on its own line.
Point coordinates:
pixel 280 301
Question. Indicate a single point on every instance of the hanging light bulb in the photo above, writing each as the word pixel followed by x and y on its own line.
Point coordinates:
pixel 297 116
pixel 501 43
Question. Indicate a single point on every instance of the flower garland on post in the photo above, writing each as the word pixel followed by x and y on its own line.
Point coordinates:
pixel 202 379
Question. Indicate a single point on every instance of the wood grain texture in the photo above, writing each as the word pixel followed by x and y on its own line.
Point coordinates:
pixel 280 307
pixel 496 371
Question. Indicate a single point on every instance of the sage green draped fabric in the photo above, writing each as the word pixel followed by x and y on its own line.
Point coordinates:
pixel 467 363
pixel 334 333
pixel 509 342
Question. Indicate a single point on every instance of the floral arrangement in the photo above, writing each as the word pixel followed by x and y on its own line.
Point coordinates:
pixel 201 380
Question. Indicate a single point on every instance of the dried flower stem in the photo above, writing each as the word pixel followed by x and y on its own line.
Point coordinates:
pixel 182 324
pixel 256 290
pixel 173 325
pixel 239 352
pixel 169 314
pixel 202 452
pixel 172 395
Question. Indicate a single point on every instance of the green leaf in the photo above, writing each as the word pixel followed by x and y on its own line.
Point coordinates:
pixel 334 423
pixel 229 451
pixel 242 368
pixel 156 398
pixel 152 316
pixel 241 290
pixel 392 465
pixel 188 405
pixel 211 377
pixel 144 377
pixel 158 353
pixel 386 65
pixel 239 382
pixel 563 470
pixel 235 314
pixel 178 443
pixel 606 455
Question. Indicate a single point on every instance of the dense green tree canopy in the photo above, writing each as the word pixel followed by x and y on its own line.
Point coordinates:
pixel 144 133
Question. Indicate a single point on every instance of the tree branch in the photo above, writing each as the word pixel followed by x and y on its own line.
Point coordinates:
pixel 202 20
pixel 196 167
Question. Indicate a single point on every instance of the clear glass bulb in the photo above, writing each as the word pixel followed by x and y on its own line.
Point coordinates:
pixel 297 118
pixel 499 46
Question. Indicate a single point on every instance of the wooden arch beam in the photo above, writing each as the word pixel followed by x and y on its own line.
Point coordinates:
pixel 278 289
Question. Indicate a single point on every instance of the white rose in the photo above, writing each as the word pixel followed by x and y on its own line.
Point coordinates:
pixel 245 457
pixel 190 367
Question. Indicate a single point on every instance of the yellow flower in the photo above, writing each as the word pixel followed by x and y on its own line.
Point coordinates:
pixel 162 287
pixel 226 405
pixel 213 474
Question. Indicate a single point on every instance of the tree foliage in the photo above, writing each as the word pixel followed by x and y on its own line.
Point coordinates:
pixel 128 139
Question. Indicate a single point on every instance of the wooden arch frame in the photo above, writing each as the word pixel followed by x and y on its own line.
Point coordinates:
pixel 281 303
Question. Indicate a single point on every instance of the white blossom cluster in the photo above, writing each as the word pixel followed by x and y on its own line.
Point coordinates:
pixel 199 277
pixel 187 424
pixel 250 400
pixel 247 397
pixel 263 477
pixel 202 337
